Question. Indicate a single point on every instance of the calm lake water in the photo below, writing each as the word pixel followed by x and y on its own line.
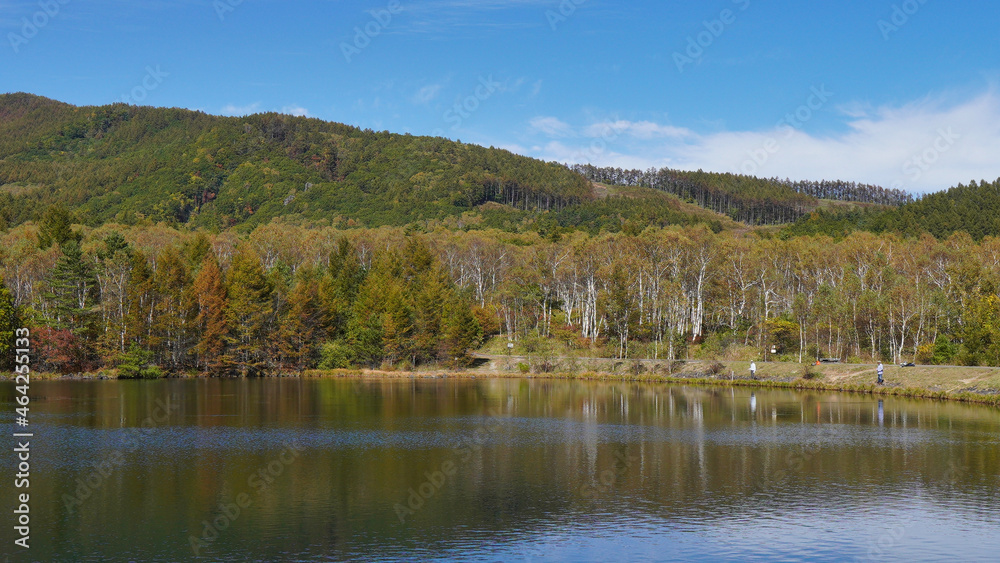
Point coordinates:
pixel 499 470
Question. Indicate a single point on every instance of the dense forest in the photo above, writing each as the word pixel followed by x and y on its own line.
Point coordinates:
pixel 973 209
pixel 126 163
pixel 283 298
pixel 757 201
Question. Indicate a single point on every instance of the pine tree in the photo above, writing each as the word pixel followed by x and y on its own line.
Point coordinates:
pixel 461 333
pixel 428 307
pixel 248 308
pixel 397 325
pixel 8 324
pixel 55 227
pixel 71 291
pixel 339 288
pixel 210 295
pixel 300 324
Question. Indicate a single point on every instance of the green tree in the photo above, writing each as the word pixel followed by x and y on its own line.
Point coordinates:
pixel 247 311
pixel 462 332
pixel 55 227
pixel 71 292
pixel 8 325
pixel 301 323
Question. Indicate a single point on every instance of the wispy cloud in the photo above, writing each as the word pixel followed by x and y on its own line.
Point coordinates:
pixel 232 109
pixel 552 126
pixel 447 16
pixel 926 145
pixel 638 129
pixel 296 110
pixel 426 94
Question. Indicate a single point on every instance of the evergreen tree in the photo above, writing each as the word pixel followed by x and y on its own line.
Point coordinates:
pixel 339 288
pixel 462 332
pixel 54 227
pixel 8 325
pixel 71 292
pixel 248 308
pixel 210 294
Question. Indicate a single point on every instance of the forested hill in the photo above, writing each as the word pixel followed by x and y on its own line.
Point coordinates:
pixel 757 201
pixel 129 164
pixel 126 163
pixel 972 208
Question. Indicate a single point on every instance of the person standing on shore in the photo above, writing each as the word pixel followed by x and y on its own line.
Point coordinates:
pixel 881 372
pixel 753 370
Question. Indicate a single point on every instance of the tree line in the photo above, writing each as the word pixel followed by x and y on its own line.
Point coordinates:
pixel 756 201
pixel 286 298
pixel 970 208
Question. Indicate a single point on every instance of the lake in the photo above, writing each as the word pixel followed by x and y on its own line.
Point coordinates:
pixel 499 470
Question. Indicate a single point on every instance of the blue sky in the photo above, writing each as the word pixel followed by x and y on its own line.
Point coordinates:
pixel 899 93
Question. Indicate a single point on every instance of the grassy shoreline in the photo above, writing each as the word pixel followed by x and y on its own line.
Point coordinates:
pixel 976 385
pixel 982 398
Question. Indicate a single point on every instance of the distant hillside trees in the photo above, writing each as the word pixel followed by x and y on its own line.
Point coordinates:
pixel 973 209
pixel 757 201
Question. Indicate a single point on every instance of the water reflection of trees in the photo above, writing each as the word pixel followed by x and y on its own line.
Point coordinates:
pixel 534 450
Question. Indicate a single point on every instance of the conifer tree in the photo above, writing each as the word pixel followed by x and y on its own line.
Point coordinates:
pixel 71 292
pixel 461 333
pixel 248 308
pixel 299 326
pixel 8 324
pixel 210 295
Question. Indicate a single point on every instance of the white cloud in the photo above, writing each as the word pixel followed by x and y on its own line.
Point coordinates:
pixel 296 110
pixel 231 109
pixel 926 145
pixel 551 126
pixel 637 129
pixel 426 94
pixel 923 146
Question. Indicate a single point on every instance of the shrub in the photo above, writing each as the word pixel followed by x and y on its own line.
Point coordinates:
pixel 810 372
pixel 523 367
pixel 335 355
pixel 135 364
